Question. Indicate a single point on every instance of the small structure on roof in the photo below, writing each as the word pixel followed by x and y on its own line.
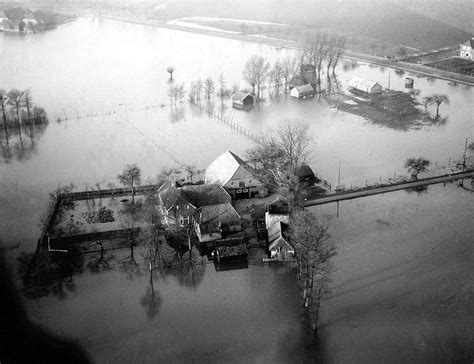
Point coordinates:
pixel 302 92
pixel 465 49
pixel 243 100
pixel 236 176
pixel 359 84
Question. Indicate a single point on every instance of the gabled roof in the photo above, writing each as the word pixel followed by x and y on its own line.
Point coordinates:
pixel 241 95
pixel 205 195
pixel 170 195
pixel 276 237
pixel 362 83
pixel 304 171
pixel 226 167
pixel 215 216
pixel 304 88
pixel 469 43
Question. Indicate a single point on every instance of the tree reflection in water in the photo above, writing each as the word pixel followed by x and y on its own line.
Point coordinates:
pixel 102 262
pixel 14 145
pixel 45 273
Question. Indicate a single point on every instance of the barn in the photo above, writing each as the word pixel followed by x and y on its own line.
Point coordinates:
pixel 303 91
pixel 242 100
pixel 359 84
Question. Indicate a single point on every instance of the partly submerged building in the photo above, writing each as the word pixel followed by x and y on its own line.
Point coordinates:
pixel 359 84
pixel 236 176
pixel 303 91
pixel 243 100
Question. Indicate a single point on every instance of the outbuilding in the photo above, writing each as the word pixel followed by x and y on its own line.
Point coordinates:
pixel 359 84
pixel 243 100
pixel 465 49
pixel 303 91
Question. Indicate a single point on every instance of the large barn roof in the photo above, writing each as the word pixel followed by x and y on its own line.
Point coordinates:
pixel 226 167
pixel 362 83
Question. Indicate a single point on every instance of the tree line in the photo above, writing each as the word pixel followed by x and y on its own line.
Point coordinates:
pixel 18 109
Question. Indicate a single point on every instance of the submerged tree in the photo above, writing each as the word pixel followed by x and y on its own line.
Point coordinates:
pixel 438 99
pixel 208 87
pixel 255 72
pixel 313 251
pixel 416 166
pixel 278 157
pixel 170 70
pixel 3 99
pixel 130 177
pixel 15 98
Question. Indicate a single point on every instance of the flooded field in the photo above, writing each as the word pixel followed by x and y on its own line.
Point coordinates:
pixel 107 84
pixel 402 287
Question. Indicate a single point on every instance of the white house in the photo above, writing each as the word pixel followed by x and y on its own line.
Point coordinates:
pixel 363 85
pixel 303 91
pixel 236 176
pixel 465 49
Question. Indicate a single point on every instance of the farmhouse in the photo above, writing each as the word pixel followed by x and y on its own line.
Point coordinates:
pixel 236 176
pixel 179 204
pixel 215 222
pixel 242 100
pixel 305 174
pixel 303 91
pixel 465 49
pixel 359 84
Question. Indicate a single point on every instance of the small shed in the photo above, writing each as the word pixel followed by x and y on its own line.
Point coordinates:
pixel 305 173
pixel 359 84
pixel 303 91
pixel 243 100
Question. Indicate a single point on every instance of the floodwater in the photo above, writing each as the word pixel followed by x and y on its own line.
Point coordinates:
pixel 402 287
pixel 245 315
pixel 117 72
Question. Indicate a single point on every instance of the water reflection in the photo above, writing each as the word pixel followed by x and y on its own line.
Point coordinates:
pixel 19 140
pixel 46 273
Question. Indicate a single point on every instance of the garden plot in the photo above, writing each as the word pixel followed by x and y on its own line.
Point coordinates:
pixel 98 215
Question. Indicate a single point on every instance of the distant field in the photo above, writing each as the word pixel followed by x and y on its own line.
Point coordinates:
pixel 457 64
pixel 387 22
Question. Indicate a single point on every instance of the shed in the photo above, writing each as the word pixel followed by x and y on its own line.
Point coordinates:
pixel 363 85
pixel 242 100
pixel 303 91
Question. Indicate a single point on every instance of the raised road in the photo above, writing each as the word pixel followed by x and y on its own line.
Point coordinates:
pixel 390 188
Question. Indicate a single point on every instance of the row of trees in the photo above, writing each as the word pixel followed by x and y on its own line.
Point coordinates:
pixel 277 159
pixel 17 109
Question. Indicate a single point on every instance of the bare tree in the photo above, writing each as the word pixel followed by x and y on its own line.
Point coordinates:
pixel 275 76
pixel 15 98
pixel 170 70
pixel 131 177
pixel 208 87
pixel 277 158
pixel 256 72
pixel 223 92
pixel 373 46
pixel 3 99
pixel 416 166
pixel 438 99
pixel 313 251
pixel 427 100
pixel 289 67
